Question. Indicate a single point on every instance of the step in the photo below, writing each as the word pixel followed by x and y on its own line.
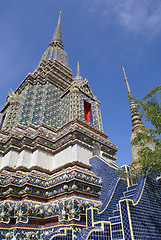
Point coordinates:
pixel 116 226
pixel 122 198
pixel 132 187
pixel 116 213
pixel 129 192
pixel 118 239
pixel 115 219
pixel 117 235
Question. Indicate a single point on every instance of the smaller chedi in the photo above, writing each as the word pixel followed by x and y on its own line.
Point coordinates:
pixel 58 176
pixel 137 125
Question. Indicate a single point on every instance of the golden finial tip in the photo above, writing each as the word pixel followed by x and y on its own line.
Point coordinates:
pixel 59 17
pixel 124 72
pixel 78 69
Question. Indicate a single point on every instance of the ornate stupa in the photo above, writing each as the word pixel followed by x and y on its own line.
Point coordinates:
pixel 58 176
pixel 135 119
pixel 137 125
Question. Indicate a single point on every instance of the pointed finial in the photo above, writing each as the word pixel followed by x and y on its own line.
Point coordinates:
pixel 78 76
pixel 127 83
pixel 59 20
pixel 78 69
pixel 124 72
pixel 57 39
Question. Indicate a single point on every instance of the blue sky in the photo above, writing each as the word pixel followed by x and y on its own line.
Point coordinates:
pixel 103 35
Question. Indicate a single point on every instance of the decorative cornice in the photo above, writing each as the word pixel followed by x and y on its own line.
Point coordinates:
pixel 55 141
pixel 29 194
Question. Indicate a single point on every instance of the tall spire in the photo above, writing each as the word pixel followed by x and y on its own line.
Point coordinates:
pixel 55 50
pixel 136 122
pixel 57 39
pixel 127 83
pixel 78 76
pixel 78 69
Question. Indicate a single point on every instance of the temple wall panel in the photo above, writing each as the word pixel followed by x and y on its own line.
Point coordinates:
pixel 43 159
pixel 24 159
pixel 10 159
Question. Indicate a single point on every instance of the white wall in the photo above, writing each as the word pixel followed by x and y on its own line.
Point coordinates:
pixel 10 159
pixel 46 160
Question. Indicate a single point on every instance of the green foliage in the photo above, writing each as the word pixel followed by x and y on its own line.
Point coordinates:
pixel 150 107
pixel 149 138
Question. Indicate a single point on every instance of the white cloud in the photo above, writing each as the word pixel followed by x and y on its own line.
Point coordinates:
pixel 139 16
